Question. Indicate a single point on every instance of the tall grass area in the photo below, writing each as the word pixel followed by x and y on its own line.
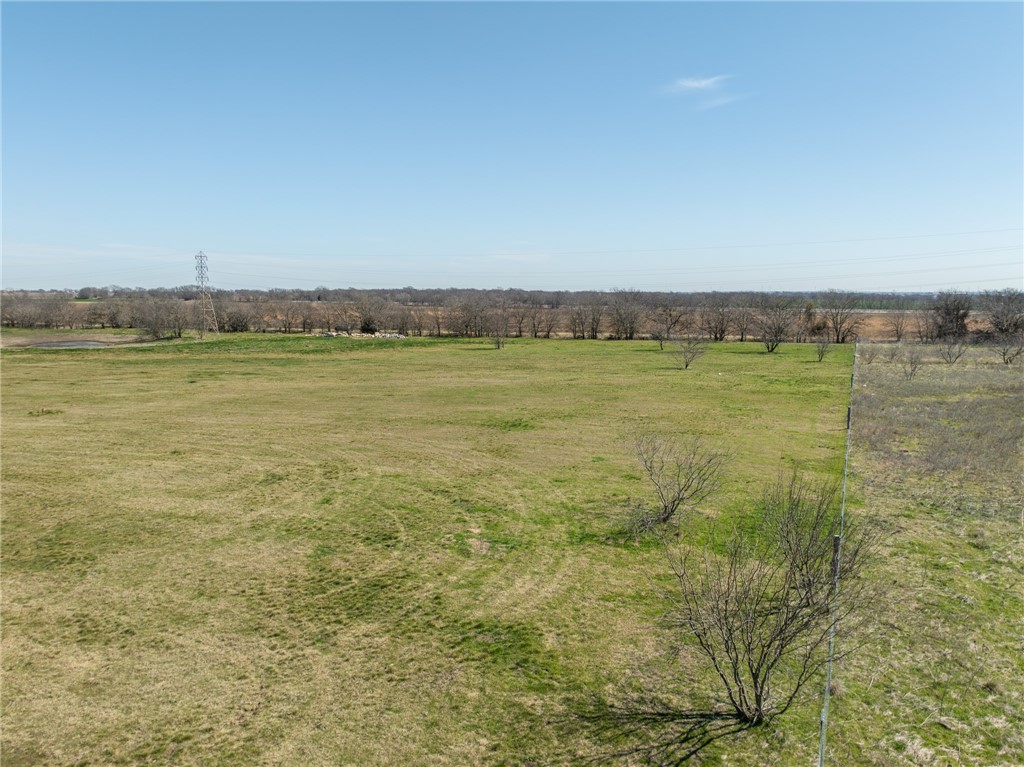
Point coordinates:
pixel 274 550
pixel 938 464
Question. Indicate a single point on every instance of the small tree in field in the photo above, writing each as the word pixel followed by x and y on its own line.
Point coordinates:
pixel 681 474
pixel 822 347
pixel 762 610
pixel 688 351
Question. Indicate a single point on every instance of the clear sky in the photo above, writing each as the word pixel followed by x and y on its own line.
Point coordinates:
pixel 662 146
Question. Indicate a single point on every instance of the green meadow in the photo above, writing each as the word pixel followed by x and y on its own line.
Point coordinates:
pixel 290 550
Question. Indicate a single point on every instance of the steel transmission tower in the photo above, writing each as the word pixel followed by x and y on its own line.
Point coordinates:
pixel 208 317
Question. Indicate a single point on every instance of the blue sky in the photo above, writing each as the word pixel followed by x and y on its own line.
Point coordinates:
pixel 662 146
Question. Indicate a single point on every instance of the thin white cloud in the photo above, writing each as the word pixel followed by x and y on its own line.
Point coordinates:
pixel 697 84
pixel 721 101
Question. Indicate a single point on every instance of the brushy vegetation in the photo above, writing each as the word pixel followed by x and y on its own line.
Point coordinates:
pixel 286 550
pixel 938 462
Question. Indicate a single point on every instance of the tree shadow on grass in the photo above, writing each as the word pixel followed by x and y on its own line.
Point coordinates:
pixel 647 728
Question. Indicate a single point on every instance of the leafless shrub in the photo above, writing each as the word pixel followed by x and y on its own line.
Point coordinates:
pixel 762 610
pixel 681 474
pixel 911 360
pixel 952 348
pixel 1009 346
pixel 822 347
pixel 894 352
pixel 868 353
pixel 688 351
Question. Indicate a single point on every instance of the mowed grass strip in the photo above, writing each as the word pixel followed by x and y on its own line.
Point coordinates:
pixel 325 551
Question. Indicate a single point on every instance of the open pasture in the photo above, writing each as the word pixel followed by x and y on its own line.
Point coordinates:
pixel 273 550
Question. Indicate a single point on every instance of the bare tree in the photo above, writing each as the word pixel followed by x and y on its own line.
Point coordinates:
pixel 517 319
pixel 839 311
pixel 438 316
pixel 595 315
pixel 822 347
pixel 498 321
pixel 55 312
pixel 689 350
pixel 370 310
pixel 152 316
pixel 467 317
pixel 896 319
pixel 669 320
pixel 715 317
pixel 627 313
pixel 417 321
pixel 235 317
pixel 578 321
pixel 289 314
pixel 260 313
pixel 681 474
pixel 809 324
pixel 308 316
pixel 868 353
pixel 533 311
pixel 926 326
pixel 13 311
pixel 741 319
pixel 1003 311
pixel 761 611
pixel 775 318
pixel 179 318
pixel 547 322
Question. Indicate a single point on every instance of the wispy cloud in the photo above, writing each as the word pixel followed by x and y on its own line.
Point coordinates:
pixel 708 92
pixel 697 84
pixel 721 101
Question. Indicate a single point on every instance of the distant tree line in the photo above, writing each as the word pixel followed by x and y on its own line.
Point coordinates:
pixel 770 318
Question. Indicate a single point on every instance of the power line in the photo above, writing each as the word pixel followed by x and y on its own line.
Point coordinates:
pixel 628 251
pixel 719 269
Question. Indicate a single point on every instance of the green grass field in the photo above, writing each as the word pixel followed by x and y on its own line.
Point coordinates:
pixel 284 550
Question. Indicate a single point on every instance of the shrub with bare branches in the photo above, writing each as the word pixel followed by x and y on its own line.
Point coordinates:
pixel 911 359
pixel 822 347
pixel 1009 346
pixel 762 610
pixel 952 348
pixel 689 350
pixel 681 474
